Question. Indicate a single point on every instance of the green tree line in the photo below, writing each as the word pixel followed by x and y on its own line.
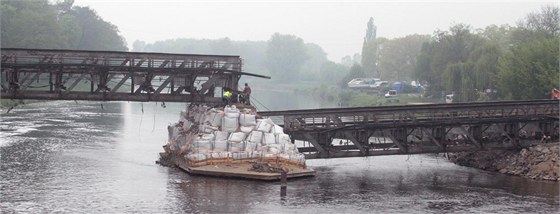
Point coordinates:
pixel 40 24
pixel 498 62
pixel 286 58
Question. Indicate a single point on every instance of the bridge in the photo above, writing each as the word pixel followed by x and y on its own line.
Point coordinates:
pixel 417 129
pixel 41 74
pixel 326 133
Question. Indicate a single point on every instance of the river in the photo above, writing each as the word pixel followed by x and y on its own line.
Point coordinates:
pixel 99 157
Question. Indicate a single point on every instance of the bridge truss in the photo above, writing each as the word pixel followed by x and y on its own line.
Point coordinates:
pixel 117 76
pixel 415 129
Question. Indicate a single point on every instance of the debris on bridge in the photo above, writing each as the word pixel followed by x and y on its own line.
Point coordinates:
pixel 231 142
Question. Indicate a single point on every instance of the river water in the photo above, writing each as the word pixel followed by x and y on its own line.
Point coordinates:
pixel 99 157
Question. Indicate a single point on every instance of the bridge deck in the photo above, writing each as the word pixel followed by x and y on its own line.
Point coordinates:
pixel 429 128
pixel 109 75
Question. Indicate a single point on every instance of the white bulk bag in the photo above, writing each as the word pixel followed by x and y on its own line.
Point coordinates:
pixel 288 148
pixel 259 147
pixel 220 145
pixel 235 146
pixel 269 138
pixel 239 155
pixel 276 129
pixel 273 148
pixel 264 125
pixel 196 156
pixel 219 155
pixel 201 145
pixel 231 111
pixel 250 146
pixel 283 139
pixel 215 118
pixel 236 137
pixel 247 120
pixel 247 129
pixel 207 137
pixel 230 124
pixel 255 137
pixel 208 128
pixel 221 135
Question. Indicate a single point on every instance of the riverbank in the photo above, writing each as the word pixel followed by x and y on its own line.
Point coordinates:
pixel 540 162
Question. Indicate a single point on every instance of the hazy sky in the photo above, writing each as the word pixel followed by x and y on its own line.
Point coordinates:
pixel 337 26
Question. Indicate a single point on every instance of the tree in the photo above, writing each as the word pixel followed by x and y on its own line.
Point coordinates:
pixel 311 68
pixel 371 31
pixel 97 34
pixel 138 46
pixel 498 35
pixel 331 73
pixel 370 50
pixel 398 57
pixel 484 60
pixel 446 49
pixel 423 69
pixel 530 70
pixel 30 24
pixel 285 55
pixel 547 21
pixel 38 24
pixel 460 80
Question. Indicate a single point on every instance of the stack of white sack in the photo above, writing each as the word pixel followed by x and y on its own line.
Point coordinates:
pixel 230 133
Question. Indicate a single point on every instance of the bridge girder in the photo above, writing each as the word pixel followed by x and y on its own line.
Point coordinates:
pixel 417 129
pixel 109 75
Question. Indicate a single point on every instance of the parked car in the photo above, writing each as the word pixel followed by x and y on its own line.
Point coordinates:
pixel 392 95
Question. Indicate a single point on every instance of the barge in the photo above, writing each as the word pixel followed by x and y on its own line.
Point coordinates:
pixel 231 142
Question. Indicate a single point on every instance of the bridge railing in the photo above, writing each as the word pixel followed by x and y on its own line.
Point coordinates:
pixel 393 116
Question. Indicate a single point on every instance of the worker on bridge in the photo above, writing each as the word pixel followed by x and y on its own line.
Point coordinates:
pixel 246 95
pixel 226 97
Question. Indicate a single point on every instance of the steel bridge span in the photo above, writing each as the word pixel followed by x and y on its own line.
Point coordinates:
pixel 417 129
pixel 326 133
pixel 41 74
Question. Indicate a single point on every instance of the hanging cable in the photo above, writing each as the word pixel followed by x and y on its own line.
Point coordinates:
pixel 257 101
pixel 254 100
